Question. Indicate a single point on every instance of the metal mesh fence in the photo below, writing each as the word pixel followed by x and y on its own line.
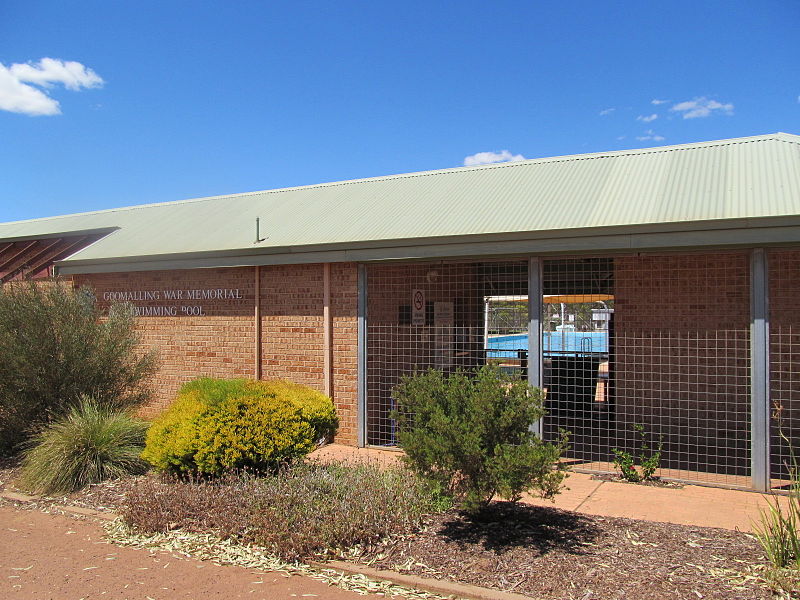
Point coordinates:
pixel 434 315
pixel 671 358
pixel 784 342
pixel 657 342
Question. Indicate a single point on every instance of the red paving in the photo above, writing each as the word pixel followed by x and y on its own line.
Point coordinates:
pixel 54 557
pixel 687 505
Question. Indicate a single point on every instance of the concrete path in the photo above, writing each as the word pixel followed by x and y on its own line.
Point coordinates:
pixel 689 505
pixel 45 556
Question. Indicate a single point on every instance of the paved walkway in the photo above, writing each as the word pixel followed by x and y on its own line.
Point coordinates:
pixel 45 556
pixel 689 505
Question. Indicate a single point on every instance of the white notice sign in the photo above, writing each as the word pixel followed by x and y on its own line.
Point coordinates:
pixel 443 341
pixel 417 307
pixel 443 313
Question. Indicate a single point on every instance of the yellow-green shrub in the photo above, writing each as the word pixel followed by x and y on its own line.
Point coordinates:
pixel 217 425
pixel 251 432
pixel 315 406
pixel 171 441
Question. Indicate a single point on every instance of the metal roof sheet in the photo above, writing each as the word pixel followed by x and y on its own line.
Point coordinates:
pixel 728 179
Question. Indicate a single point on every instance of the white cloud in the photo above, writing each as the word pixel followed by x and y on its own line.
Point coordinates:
pixel 650 135
pixel 656 101
pixel 17 91
pixel 48 71
pixel 607 111
pixel 648 118
pixel 15 96
pixel 702 107
pixel 487 158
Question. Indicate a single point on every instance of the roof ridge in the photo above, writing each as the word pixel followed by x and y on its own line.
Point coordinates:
pixel 778 136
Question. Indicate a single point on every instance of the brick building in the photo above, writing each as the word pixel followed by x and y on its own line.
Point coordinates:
pixel 657 287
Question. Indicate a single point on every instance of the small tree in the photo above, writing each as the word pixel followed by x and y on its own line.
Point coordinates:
pixel 55 347
pixel 470 432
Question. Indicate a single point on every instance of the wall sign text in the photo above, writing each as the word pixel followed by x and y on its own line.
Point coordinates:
pixel 177 295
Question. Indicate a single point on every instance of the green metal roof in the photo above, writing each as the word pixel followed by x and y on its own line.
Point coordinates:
pixel 742 178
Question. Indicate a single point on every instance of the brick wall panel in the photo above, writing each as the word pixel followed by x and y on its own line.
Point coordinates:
pixel 221 343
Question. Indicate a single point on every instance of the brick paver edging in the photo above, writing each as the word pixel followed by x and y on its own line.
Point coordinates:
pixel 423 584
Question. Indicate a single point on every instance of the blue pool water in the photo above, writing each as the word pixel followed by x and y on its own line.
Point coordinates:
pixel 506 346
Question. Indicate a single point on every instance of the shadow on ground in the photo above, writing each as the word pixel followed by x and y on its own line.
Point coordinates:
pixel 505 525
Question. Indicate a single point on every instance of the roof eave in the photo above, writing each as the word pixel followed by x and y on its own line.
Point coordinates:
pixel 680 235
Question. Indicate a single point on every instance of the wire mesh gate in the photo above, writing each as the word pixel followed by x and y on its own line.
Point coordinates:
pixel 660 342
pixel 784 349
pixel 670 354
pixel 433 315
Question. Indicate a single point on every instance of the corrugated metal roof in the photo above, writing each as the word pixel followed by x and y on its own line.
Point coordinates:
pixel 727 179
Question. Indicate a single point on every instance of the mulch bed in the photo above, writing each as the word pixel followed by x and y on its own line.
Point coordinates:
pixel 554 554
pixel 9 468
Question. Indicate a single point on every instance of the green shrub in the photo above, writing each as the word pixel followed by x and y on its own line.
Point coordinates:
pixel 251 432
pixel 55 348
pixel 648 460
pixel 300 511
pixel 470 432
pixel 217 425
pixel 91 444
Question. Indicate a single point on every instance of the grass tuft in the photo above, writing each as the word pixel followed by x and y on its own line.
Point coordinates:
pixel 90 444
pixel 778 532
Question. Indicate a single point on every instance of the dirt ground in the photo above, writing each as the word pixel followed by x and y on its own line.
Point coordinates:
pixel 46 556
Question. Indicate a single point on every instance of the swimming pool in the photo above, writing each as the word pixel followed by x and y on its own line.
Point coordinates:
pixel 561 342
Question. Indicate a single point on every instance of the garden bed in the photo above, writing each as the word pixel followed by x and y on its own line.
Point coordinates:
pixel 542 552
pixel 652 482
pixel 554 554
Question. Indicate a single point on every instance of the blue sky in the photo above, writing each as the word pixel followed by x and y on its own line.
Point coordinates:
pixel 171 100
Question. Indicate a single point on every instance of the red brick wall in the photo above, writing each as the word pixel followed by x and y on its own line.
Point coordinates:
pixel 344 311
pixel 221 342
pixel 292 332
pixel 218 344
pixel 291 309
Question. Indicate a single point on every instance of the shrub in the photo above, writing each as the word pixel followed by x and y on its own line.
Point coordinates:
pixel 172 439
pixel 216 426
pixel 55 348
pixel 256 432
pixel 91 444
pixel 300 511
pixel 470 432
pixel 648 459
pixel 317 409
